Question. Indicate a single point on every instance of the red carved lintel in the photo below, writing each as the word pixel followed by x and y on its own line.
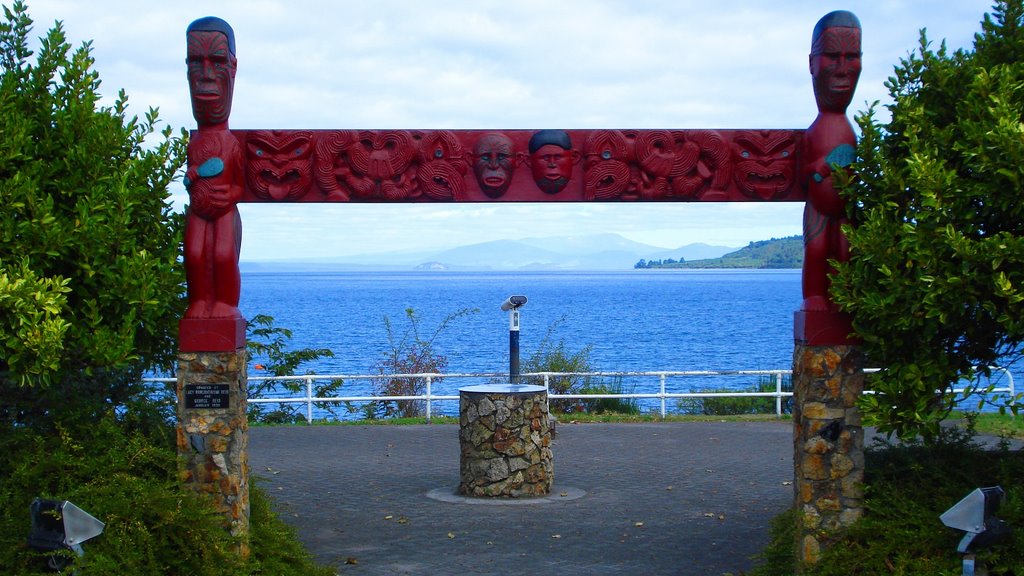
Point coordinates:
pixel 521 165
pixel 823 328
pixel 211 334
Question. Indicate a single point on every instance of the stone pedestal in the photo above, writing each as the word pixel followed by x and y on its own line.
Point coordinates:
pixel 828 443
pixel 213 433
pixel 505 441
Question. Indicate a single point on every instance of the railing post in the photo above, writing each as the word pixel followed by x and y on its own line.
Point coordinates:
pixel 778 394
pixel 309 400
pixel 430 379
pixel 662 379
pixel 1012 388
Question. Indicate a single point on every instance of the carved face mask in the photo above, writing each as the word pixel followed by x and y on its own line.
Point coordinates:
pixel 835 67
pixel 211 76
pixel 493 164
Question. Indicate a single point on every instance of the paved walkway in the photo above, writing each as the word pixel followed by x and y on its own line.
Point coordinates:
pixel 663 498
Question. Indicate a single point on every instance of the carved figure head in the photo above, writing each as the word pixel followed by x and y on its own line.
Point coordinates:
pixel 279 164
pixel 835 60
pixel 764 161
pixel 211 69
pixel 551 160
pixel 494 161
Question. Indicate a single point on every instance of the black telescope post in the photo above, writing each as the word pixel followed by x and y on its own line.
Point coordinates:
pixel 512 306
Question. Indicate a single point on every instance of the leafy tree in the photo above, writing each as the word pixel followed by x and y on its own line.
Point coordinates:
pixel 90 283
pixel 936 277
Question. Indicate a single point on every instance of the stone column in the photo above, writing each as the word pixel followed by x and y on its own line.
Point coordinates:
pixel 828 443
pixel 213 433
pixel 505 441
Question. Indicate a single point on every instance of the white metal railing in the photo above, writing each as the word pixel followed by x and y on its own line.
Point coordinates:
pixel 663 395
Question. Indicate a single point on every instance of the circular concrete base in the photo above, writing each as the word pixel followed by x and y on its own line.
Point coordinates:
pixel 559 494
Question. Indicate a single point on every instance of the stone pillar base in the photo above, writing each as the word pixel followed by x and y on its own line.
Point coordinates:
pixel 828 443
pixel 505 441
pixel 213 433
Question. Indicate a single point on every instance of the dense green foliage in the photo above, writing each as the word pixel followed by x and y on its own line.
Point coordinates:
pixel 936 277
pixel 90 284
pixel 775 253
pixel 908 486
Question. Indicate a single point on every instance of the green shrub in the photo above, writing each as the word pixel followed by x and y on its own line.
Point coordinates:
pixel 127 480
pixel 908 486
pixel 409 353
pixel 734 406
pixel 267 347
pixel 608 405
pixel 552 357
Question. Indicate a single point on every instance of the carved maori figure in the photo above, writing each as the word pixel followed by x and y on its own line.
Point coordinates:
pixel 279 164
pixel 703 167
pixel 214 178
pixel 332 170
pixel 829 143
pixel 764 163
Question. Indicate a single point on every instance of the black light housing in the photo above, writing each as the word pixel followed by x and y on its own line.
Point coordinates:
pixel 59 524
pixel 976 515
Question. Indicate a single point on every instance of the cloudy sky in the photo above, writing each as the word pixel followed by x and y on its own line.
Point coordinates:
pixel 500 65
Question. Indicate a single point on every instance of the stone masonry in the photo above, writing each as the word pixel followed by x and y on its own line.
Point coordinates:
pixel 213 433
pixel 505 441
pixel 828 444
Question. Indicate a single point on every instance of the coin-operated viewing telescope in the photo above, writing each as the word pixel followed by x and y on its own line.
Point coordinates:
pixel 512 304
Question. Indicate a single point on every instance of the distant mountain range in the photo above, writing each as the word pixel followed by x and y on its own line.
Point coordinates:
pixel 590 252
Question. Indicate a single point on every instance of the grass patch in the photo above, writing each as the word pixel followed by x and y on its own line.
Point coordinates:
pixel 1002 425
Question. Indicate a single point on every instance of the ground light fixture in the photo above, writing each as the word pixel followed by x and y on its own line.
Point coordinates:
pixel 60 525
pixel 976 515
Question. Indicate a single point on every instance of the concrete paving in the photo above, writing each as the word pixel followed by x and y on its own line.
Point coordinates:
pixel 647 499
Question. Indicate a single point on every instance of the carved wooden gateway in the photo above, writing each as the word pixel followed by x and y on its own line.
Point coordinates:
pixel 228 166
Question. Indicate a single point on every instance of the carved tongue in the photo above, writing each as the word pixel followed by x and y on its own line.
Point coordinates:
pixel 278 191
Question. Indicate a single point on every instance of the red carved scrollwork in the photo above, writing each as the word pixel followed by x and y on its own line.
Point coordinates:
pixel 704 168
pixel 332 170
pixel 606 159
pixel 442 169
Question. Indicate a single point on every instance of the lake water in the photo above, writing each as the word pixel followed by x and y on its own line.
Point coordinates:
pixel 638 320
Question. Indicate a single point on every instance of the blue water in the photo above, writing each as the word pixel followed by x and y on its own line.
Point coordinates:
pixel 636 320
pixel 639 320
